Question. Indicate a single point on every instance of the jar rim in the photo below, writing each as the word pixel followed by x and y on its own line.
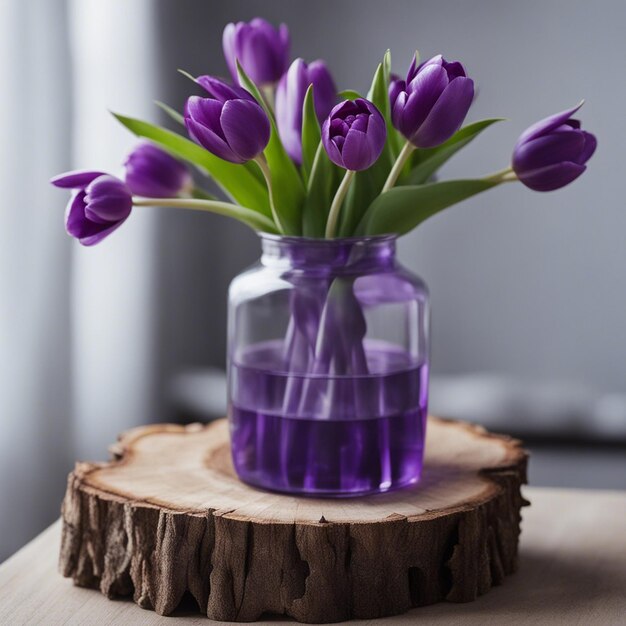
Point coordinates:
pixel 321 241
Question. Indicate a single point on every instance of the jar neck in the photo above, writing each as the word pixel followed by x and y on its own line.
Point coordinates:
pixel 347 255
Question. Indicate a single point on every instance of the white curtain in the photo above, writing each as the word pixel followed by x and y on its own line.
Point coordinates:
pixel 113 285
pixel 75 325
pixel 35 397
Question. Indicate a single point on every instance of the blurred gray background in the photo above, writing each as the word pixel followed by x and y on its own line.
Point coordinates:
pixel 528 290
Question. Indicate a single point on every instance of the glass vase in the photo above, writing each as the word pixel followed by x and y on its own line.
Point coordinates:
pixel 328 367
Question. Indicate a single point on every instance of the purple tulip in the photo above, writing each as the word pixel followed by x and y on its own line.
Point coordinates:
pixel 553 152
pixel 430 106
pixel 232 125
pixel 100 205
pixel 354 134
pixel 261 49
pixel 153 173
pixel 290 96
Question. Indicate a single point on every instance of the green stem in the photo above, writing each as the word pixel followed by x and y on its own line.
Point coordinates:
pixel 265 168
pixel 396 170
pixel 507 175
pixel 198 193
pixel 335 207
pixel 253 219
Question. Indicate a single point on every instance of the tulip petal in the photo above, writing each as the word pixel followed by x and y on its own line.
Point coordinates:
pixel 552 177
pixel 547 125
pixel 396 87
pixel 75 220
pixel 276 42
pixel 92 240
pixel 283 44
pixel 262 50
pixel 397 110
pixel 377 132
pixel 222 91
pixel 423 92
pixel 258 57
pixel 589 148
pixel 206 112
pixel 343 109
pixel 548 150
pixel 246 128
pixel 339 140
pixel 152 172
pixel 107 199
pixel 290 96
pixel 356 152
pixel 361 122
pixel 211 141
pixel 454 69
pixel 288 113
pixel 228 46
pixel 324 88
pixel 77 179
pixel 333 151
pixel 447 115
pixel 413 68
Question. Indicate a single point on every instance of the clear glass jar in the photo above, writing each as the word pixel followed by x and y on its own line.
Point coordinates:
pixel 328 367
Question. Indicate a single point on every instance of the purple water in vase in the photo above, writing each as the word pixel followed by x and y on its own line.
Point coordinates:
pixel 328 368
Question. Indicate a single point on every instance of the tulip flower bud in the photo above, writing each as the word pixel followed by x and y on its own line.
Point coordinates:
pixel 231 125
pixel 396 85
pixel 100 205
pixel 553 152
pixel 262 50
pixel 290 96
pixel 430 106
pixel 354 134
pixel 153 173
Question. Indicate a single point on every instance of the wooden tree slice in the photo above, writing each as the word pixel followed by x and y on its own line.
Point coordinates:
pixel 167 518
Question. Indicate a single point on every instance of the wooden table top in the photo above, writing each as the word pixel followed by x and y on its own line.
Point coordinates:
pixel 572 571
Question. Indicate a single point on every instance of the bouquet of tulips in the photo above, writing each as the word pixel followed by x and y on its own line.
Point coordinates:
pixel 294 156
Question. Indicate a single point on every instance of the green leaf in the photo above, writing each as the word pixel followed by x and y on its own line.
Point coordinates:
pixel 366 185
pixel 323 182
pixel 387 65
pixel 401 209
pixel 428 161
pixel 395 138
pixel 287 187
pixel 349 94
pixel 311 135
pixel 236 181
pixel 379 95
pixel 170 112
pixel 186 74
